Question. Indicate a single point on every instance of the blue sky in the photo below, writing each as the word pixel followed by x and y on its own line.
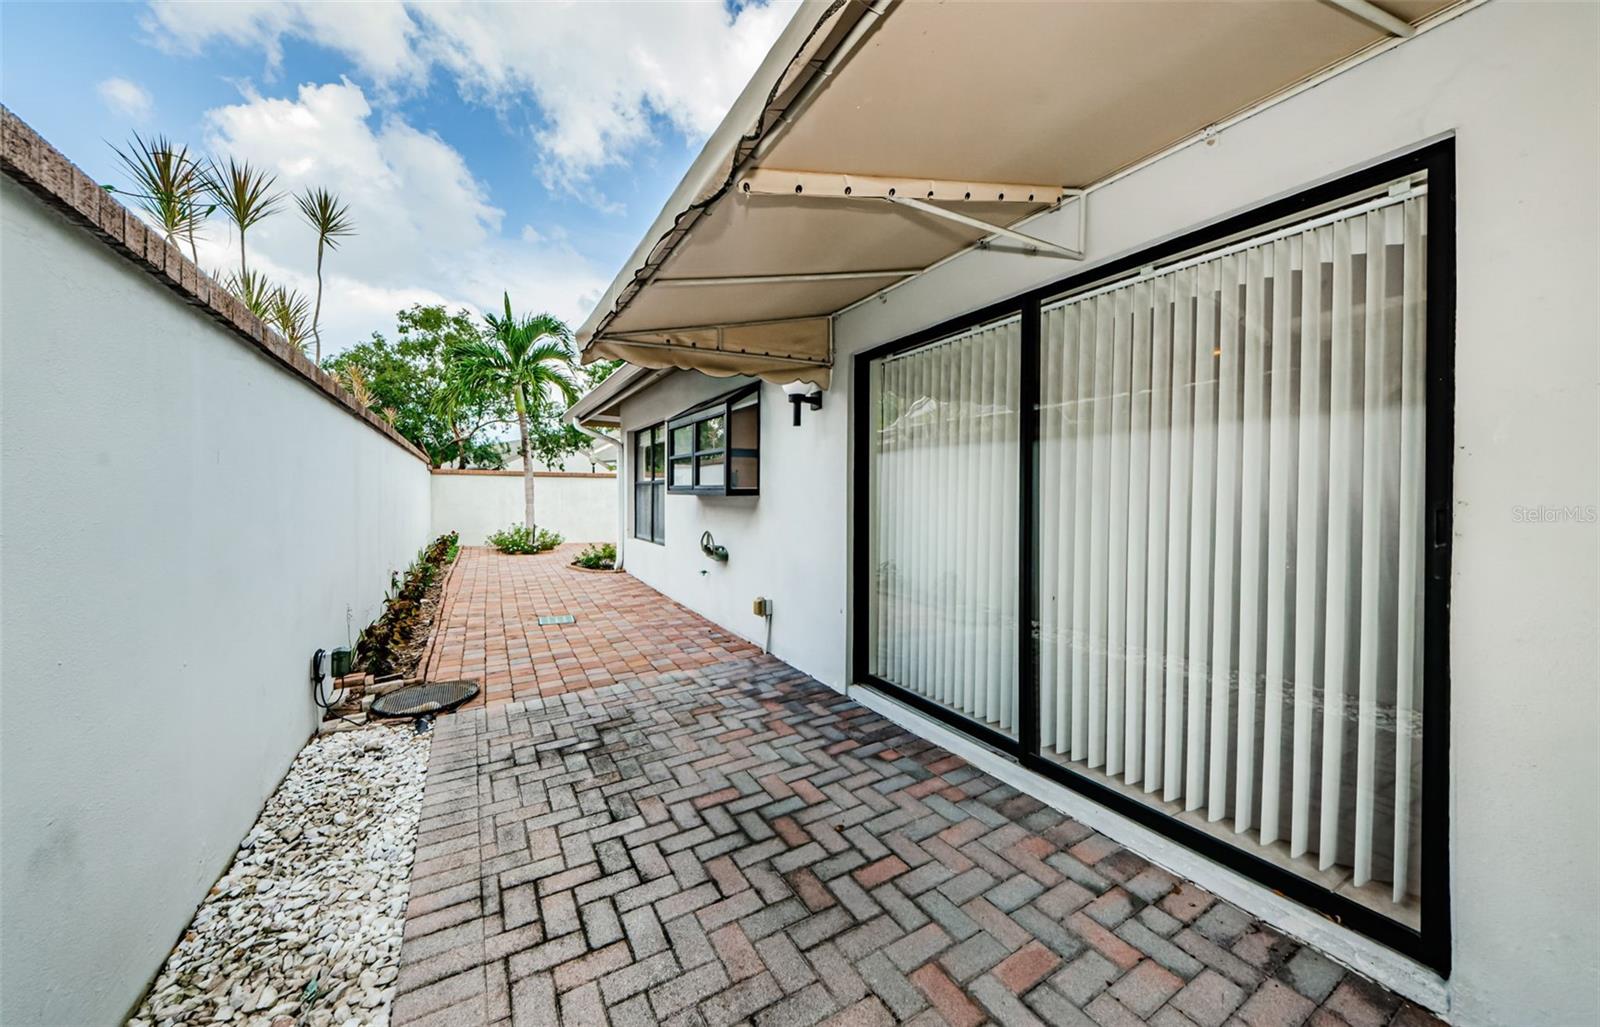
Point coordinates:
pixel 520 147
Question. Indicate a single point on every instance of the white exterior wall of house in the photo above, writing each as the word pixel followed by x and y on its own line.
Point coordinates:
pixel 1517 84
pixel 165 587
pixel 581 506
pixel 784 544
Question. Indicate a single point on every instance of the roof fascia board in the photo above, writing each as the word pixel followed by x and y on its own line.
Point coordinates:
pixel 598 403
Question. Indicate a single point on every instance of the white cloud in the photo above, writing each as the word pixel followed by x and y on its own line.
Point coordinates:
pixel 426 229
pixel 597 72
pixel 375 36
pixel 127 97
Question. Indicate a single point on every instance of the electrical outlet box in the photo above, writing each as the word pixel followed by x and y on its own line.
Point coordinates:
pixel 761 607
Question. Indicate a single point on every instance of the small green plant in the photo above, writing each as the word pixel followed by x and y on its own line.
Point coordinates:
pixel 602 557
pixel 519 539
pixel 383 643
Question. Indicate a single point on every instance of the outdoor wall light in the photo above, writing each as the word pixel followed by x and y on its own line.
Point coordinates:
pixel 803 392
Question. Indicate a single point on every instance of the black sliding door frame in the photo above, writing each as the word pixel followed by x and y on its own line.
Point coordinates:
pixel 1431 944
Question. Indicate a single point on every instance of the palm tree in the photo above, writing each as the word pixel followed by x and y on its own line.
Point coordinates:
pixel 168 185
pixel 331 221
pixel 244 194
pixel 289 312
pixel 527 359
pixel 446 404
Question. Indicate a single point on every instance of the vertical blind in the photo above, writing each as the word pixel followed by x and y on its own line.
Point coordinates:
pixel 944 494
pixel 1231 532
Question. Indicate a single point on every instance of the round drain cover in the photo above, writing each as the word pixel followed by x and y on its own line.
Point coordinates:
pixel 423 698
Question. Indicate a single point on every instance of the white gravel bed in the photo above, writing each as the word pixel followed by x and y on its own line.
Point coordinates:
pixel 305 927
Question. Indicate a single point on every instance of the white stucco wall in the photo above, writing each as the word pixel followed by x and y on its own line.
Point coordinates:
pixel 581 507
pixel 1517 84
pixel 786 544
pixel 182 522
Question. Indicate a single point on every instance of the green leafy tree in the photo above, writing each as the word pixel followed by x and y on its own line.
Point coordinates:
pixel 552 440
pixel 528 360
pixel 599 371
pixel 330 219
pixel 409 374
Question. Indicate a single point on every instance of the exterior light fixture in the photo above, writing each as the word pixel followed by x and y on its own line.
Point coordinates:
pixel 803 392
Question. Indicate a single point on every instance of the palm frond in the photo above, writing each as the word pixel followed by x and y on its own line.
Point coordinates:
pixel 290 313
pixel 167 184
pixel 326 215
pixel 354 379
pixel 253 290
pixel 243 192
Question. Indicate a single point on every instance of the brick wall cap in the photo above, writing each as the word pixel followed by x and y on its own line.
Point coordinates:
pixel 40 168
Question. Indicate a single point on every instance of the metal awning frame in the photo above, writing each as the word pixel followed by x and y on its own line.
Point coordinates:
pixel 781 279
pixel 1032 245
pixel 1377 17
pixel 924 195
pixel 642 338
pixel 784 107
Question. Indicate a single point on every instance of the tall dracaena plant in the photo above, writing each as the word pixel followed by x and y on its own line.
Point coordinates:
pixel 290 313
pixel 355 383
pixel 528 359
pixel 244 195
pixel 167 184
pixel 254 291
pixel 330 219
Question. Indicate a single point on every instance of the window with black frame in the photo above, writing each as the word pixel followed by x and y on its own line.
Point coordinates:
pixel 715 447
pixel 649 483
pixel 1228 464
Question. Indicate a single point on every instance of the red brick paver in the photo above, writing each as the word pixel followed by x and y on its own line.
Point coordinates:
pixel 489 629
pixel 725 840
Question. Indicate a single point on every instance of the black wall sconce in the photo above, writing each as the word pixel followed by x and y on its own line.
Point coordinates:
pixel 803 392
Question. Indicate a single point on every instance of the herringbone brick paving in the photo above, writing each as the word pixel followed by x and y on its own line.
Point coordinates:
pixel 738 843
pixel 489 629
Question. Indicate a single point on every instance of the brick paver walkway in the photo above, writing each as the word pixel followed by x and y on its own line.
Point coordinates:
pixel 490 633
pixel 739 843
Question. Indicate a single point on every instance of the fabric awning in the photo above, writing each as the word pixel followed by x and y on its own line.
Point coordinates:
pixel 815 192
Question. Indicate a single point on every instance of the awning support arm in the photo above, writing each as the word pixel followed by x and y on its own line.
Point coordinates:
pixel 1031 243
pixel 622 339
pixel 840 186
pixel 1377 17
pixel 817 276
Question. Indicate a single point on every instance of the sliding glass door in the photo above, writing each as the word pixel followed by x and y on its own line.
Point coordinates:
pixel 1175 533
pixel 1230 544
pixel 944 545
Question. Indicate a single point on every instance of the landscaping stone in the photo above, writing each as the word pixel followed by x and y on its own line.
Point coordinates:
pixel 305 926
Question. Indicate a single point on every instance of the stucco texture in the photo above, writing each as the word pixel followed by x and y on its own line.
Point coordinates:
pixel 184 522
pixel 1517 86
